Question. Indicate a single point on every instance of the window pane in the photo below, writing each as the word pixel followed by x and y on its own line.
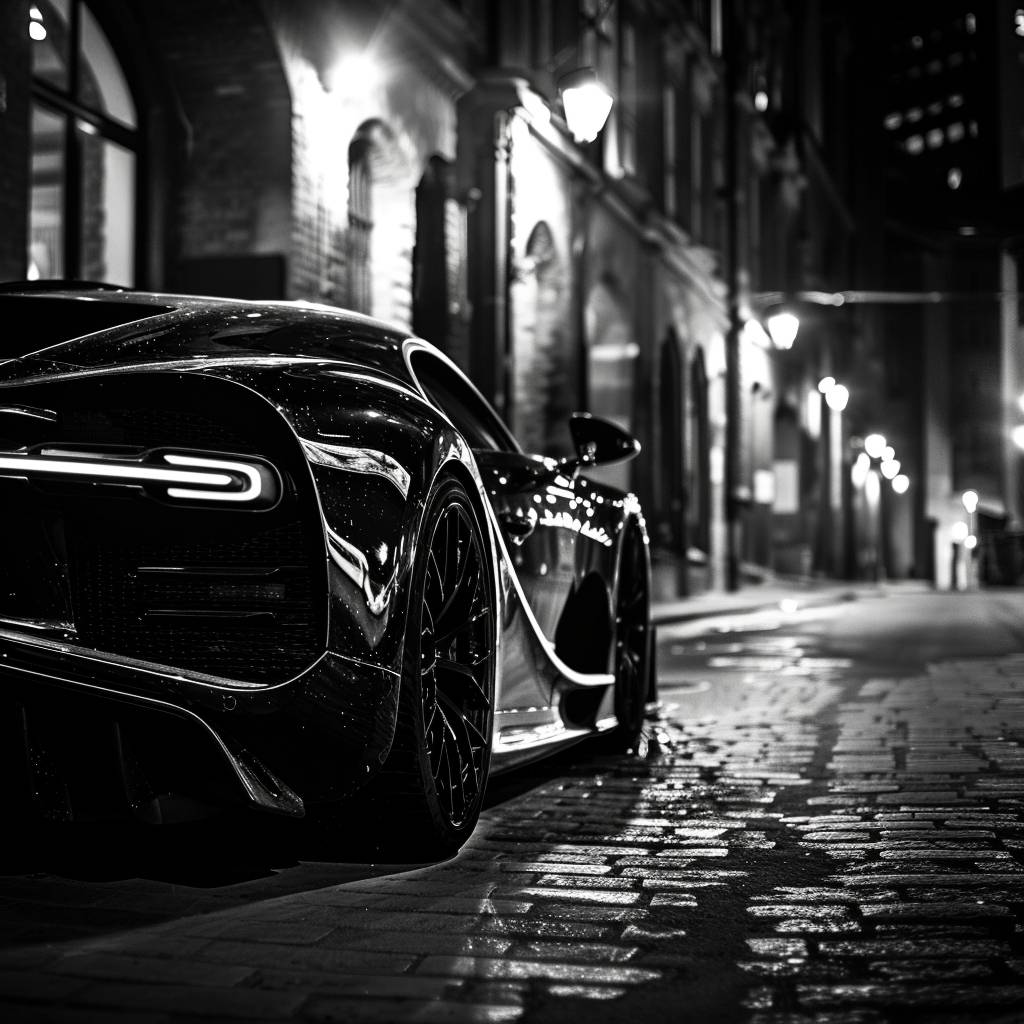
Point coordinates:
pixel 48 30
pixel 46 213
pixel 108 211
pixel 102 85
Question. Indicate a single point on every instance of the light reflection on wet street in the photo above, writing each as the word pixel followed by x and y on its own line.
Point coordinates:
pixel 823 824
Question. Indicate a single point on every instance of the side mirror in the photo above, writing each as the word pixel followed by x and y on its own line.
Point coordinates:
pixel 599 442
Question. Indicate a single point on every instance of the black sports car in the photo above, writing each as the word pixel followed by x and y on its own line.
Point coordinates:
pixel 283 556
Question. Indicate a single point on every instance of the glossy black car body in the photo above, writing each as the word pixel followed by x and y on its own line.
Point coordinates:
pixel 283 556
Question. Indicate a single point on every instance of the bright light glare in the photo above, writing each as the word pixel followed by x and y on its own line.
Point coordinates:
pixel 970 501
pixel 587 104
pixel 874 445
pixel 826 384
pixel 890 469
pixel 37 31
pixel 837 397
pixel 1018 436
pixel 959 532
pixel 889 454
pixel 901 483
pixel 355 74
pixel 760 101
pixel 970 542
pixel 783 328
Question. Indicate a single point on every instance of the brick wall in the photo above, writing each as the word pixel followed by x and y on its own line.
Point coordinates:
pixel 235 178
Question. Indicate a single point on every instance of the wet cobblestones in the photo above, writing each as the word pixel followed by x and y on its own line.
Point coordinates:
pixel 819 846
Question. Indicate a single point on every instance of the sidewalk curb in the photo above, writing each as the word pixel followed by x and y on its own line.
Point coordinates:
pixel 667 616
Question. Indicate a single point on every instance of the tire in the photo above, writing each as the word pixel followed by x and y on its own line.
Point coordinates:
pixel 634 655
pixel 424 802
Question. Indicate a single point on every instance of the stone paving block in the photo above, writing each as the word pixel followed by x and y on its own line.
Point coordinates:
pixel 586 911
pixel 575 894
pixel 484 967
pixel 335 1010
pixel 416 943
pixel 151 970
pixel 321 958
pixel 910 995
pixel 530 927
pixel 916 911
pixel 905 949
pixel 575 952
pixel 931 971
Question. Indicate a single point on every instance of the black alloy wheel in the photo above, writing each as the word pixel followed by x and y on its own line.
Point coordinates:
pixel 425 801
pixel 456 662
pixel 633 643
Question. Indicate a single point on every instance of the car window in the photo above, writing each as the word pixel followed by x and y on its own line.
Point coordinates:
pixel 468 410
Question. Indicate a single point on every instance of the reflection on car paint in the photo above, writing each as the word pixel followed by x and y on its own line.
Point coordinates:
pixel 354 564
pixel 568 522
pixel 358 460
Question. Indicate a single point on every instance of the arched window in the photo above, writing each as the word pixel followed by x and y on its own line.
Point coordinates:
pixel 84 150
pixel 381 228
pixel 542 374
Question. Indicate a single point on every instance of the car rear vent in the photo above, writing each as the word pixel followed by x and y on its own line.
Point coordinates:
pixel 240 606
pixel 153 428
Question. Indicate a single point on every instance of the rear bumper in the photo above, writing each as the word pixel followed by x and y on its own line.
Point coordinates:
pixel 91 737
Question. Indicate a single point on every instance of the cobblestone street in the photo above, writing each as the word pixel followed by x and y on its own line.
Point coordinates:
pixel 824 825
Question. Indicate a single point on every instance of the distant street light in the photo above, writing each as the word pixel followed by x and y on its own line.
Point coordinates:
pixel 874 445
pixel 970 501
pixel 783 328
pixel 837 397
pixel 901 483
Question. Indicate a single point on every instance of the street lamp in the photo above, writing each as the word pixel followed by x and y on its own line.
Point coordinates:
pixel 586 102
pixel 783 327
pixel 875 445
pixel 836 397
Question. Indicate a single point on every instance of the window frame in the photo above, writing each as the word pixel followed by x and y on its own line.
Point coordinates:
pixel 80 119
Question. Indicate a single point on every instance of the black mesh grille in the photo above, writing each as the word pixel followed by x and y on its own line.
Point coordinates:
pixel 153 428
pixel 240 606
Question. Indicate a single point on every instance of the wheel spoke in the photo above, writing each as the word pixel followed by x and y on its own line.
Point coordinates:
pixel 455 678
pixel 461 732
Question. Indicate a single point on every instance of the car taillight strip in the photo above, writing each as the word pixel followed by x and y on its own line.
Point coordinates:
pixel 219 479
pixel 253 487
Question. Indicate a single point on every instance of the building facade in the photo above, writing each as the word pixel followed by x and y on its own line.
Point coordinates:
pixel 413 161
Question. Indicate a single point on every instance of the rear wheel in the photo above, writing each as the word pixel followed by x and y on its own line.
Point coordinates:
pixel 633 646
pixel 425 801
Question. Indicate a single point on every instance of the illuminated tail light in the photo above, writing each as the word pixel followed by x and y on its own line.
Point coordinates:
pixel 207 479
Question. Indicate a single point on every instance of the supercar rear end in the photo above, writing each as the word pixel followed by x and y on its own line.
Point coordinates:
pixel 164 567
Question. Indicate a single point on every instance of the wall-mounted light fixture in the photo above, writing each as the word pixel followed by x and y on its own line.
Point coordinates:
pixel 586 102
